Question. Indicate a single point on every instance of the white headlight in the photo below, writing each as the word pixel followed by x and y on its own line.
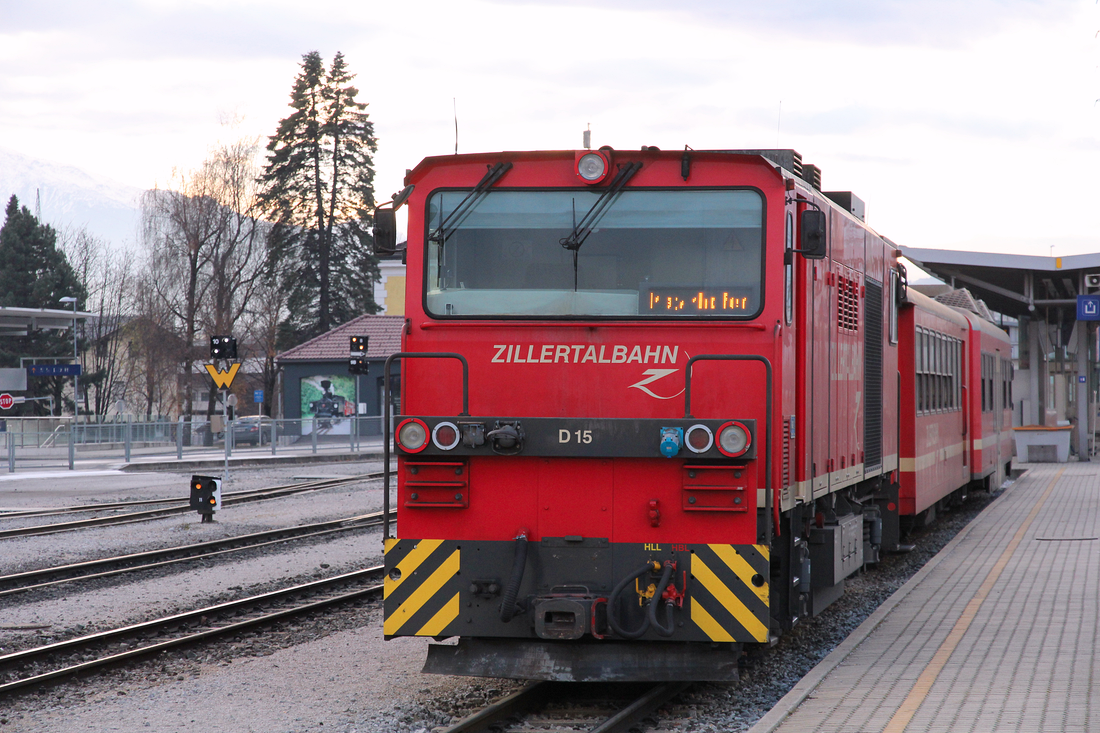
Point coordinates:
pixel 592 167
pixel 412 435
pixel 733 439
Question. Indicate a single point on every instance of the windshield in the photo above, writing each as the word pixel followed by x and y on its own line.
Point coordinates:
pixel 682 253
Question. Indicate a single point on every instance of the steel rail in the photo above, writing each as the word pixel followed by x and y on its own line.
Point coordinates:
pixel 79 508
pixel 170 622
pixel 244 497
pixel 519 702
pixel 149 559
pixel 537 695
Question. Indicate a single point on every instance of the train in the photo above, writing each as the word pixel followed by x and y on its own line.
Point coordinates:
pixel 656 407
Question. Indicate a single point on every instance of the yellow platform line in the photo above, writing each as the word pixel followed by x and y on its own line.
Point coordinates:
pixel 931 673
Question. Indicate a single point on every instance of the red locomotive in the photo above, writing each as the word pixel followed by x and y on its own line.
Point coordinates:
pixel 652 409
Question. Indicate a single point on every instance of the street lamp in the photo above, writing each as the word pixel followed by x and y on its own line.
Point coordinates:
pixel 76 360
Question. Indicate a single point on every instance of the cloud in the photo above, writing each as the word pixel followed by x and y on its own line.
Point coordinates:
pixel 866 22
pixel 143 31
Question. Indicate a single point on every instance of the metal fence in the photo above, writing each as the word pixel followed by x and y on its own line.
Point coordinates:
pixel 38 443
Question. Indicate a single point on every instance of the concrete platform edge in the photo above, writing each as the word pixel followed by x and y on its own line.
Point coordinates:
pixel 805 687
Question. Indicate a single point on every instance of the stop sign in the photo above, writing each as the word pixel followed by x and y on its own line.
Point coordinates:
pixel 6 401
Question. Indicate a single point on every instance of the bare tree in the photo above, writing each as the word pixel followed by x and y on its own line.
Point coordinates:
pixel 266 322
pixel 205 252
pixel 107 276
pixel 237 261
pixel 153 353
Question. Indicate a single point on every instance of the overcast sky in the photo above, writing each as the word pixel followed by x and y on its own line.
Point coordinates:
pixel 963 124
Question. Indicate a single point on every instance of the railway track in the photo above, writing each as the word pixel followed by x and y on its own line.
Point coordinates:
pixel 59 660
pixel 553 706
pixel 106 567
pixel 176 506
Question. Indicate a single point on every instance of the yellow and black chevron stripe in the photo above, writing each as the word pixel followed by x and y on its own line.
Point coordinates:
pixel 422 596
pixel 729 592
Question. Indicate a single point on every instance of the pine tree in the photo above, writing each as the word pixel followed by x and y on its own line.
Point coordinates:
pixel 35 274
pixel 318 190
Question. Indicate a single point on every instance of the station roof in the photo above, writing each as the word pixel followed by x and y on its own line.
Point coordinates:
pixel 383 332
pixel 21 321
pixel 1010 284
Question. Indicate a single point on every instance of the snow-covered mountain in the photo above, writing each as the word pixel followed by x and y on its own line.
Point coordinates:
pixel 70 197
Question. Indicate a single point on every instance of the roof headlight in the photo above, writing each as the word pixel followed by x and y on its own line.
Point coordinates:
pixel 592 167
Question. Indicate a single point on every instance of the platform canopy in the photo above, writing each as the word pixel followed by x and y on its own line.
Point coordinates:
pixel 21 321
pixel 1014 285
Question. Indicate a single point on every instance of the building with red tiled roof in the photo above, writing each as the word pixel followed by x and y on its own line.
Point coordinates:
pixel 384 333
pixel 315 378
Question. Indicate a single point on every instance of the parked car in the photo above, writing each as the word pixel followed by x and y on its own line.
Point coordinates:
pixel 254 429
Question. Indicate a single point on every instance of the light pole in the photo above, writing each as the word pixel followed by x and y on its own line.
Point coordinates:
pixel 76 360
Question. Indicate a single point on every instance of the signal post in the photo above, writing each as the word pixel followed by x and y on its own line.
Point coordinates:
pixel 224 348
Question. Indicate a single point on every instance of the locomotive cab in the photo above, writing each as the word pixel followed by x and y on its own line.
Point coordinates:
pixel 637 432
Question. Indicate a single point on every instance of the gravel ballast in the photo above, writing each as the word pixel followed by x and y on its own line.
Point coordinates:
pixel 328 672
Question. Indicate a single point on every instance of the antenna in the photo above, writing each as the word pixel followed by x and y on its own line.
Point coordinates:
pixel 588 137
pixel 778 123
pixel 454 102
pixel 38 205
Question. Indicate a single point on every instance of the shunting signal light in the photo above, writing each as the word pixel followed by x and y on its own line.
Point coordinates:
pixel 357 362
pixel 206 496
pixel 223 347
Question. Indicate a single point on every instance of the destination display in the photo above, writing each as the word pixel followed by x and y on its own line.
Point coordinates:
pixel 696 300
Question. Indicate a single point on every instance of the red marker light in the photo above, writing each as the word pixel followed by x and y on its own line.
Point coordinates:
pixel 699 438
pixel 445 435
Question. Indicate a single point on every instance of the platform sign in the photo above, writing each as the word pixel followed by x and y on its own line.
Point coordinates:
pixel 1088 307
pixel 54 370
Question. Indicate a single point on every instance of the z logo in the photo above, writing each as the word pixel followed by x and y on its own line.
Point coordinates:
pixel 654 375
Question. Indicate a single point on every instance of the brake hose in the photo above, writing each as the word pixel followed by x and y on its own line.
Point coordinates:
pixel 613 605
pixel 652 615
pixel 508 605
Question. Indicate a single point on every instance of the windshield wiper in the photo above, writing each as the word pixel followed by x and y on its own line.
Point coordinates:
pixel 456 217
pixel 584 227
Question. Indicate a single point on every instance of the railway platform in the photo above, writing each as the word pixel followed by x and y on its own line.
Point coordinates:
pixel 998 632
